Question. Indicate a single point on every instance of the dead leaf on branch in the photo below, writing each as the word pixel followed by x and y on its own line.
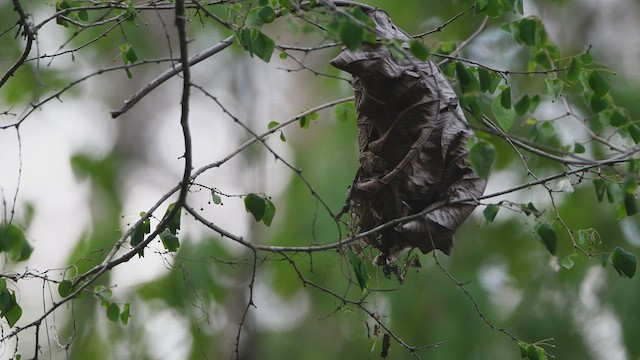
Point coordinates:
pixel 412 137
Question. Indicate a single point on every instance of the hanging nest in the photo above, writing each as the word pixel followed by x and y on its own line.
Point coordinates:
pixel 412 138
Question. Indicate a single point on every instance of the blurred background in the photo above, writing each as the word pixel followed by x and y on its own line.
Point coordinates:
pixel 82 177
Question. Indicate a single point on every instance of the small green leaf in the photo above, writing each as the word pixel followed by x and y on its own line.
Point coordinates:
pixel 170 241
pixel 489 80
pixel 174 223
pixel 418 49
pixel 139 233
pixel 529 209
pixel 267 14
pixel 523 349
pixel 463 73
pixel 597 103
pixel 634 131
pixel 554 86
pixel 578 148
pixel 125 314
pixel 567 261
pixel 359 270
pixel 346 112
pixel 283 55
pixel 527 31
pixel 618 117
pixel 624 262
pixel 282 137
pixel 65 288
pixel 547 234
pixel 215 197
pixel 522 106
pixel 504 117
pixel 83 15
pixel 113 312
pixel 255 205
pixel 630 185
pixel 14 314
pixel 505 98
pixel 547 130
pixel 630 204
pixel 482 156
pixel 490 212
pixel 574 69
pixel 269 212
pixel 272 124
pixel 598 84
pixel 304 122
pixel 351 34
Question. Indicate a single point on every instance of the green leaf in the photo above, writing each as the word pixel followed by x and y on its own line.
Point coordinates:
pixel 578 148
pixel 255 205
pixel 630 185
pixel 359 270
pixel 269 212
pixel 65 288
pixel 546 129
pixel 529 209
pixel 489 80
pixel 547 234
pixel 522 106
pixel 14 314
pixel 618 117
pixel 255 42
pixel 346 112
pixel 505 98
pixel 624 262
pixel 600 186
pixel 523 349
pixel 169 240
pixel 630 204
pixel 282 137
pixel 139 234
pixel 597 103
pixel 567 261
pixel 304 122
pixel 418 49
pixel 464 76
pixel 3 284
pixel 272 124
pixel 634 131
pixel 174 222
pixel 14 242
pixel 215 197
pixel 527 31
pixel 125 314
pixel 113 312
pixel 554 86
pixel 351 34
pixel 482 156
pixel 504 117
pixel 490 212
pixel 574 69
pixel 267 14
pixel 598 84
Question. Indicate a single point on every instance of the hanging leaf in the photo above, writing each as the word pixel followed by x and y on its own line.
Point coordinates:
pixel 630 204
pixel 418 49
pixel 215 197
pixel 505 98
pixel 255 205
pixel 359 269
pixel 504 117
pixel 634 131
pixel 547 235
pixel 269 212
pixel 346 112
pixel 482 156
pixel 490 212
pixel 169 240
pixel 174 223
pixel 267 14
pixel 554 86
pixel 624 262
pixel 600 186
pixel 113 312
pixel 598 84
pixel 65 288
pixel 489 80
pixel 567 261
pixel 574 69
pixel 125 314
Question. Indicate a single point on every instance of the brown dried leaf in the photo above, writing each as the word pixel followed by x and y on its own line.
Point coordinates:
pixel 411 136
